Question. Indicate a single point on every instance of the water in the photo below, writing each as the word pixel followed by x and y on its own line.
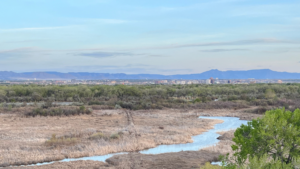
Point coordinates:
pixel 205 139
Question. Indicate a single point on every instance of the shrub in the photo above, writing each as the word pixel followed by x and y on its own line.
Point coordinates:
pixel 210 166
pixel 58 112
pixel 96 103
pixel 197 100
pixel 62 141
pixel 275 136
pixel 118 106
pixel 114 136
pixel 98 136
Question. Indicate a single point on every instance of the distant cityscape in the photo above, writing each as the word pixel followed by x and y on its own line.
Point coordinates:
pixel 147 82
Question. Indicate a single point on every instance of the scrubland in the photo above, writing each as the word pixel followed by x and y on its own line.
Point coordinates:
pixel 109 119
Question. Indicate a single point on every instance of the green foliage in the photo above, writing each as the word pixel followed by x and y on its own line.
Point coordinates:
pixel 270 94
pixel 62 141
pixel 58 112
pixel 118 106
pixel 156 96
pixel 114 136
pixel 197 100
pixel 98 136
pixel 263 162
pixel 2 93
pixel 10 107
pixel 276 134
pixel 82 108
pixel 209 166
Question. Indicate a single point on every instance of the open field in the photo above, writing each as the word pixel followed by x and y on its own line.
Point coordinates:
pixel 30 140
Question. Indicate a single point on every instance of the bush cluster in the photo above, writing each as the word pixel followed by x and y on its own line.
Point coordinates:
pixel 61 141
pixel 58 112
pixel 157 96
pixel 99 136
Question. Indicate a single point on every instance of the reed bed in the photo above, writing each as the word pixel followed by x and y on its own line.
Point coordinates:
pixel 29 145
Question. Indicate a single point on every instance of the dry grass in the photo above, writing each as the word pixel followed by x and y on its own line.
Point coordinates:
pixel 23 139
pixel 224 146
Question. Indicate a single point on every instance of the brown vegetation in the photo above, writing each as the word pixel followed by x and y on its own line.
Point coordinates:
pixel 180 160
pixel 29 140
pixel 224 146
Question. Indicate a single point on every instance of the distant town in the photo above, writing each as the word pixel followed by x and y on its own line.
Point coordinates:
pixel 147 82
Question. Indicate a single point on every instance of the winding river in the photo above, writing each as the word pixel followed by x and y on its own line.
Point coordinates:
pixel 205 139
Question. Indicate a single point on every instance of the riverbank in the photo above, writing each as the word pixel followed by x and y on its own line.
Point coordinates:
pixel 182 160
pixel 23 140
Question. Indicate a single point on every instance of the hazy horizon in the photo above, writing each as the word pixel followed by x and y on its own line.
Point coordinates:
pixel 145 73
pixel 149 37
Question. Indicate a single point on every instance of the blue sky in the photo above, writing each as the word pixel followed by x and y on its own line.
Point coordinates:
pixel 149 36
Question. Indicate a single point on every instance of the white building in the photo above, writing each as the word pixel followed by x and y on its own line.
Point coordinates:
pixel 195 82
pixel 208 81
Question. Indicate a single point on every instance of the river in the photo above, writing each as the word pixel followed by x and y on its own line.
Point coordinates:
pixel 203 140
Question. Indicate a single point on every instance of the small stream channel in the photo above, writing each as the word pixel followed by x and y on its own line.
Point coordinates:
pixel 205 139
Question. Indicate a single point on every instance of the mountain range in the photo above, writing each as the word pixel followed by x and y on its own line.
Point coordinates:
pixel 256 74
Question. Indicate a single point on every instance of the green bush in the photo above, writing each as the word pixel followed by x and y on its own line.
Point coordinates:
pixel 210 166
pixel 62 141
pixel 58 112
pixel 275 138
pixel 115 136
pixel 98 136
pixel 264 162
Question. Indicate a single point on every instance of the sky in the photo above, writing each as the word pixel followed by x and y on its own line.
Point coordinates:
pixel 149 36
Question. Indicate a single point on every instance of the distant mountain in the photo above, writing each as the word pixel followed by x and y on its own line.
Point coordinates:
pixel 256 74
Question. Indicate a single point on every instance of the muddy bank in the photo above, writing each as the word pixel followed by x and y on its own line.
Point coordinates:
pixel 70 165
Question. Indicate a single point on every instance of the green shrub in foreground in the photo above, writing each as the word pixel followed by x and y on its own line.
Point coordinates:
pixel 270 142
pixel 210 166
